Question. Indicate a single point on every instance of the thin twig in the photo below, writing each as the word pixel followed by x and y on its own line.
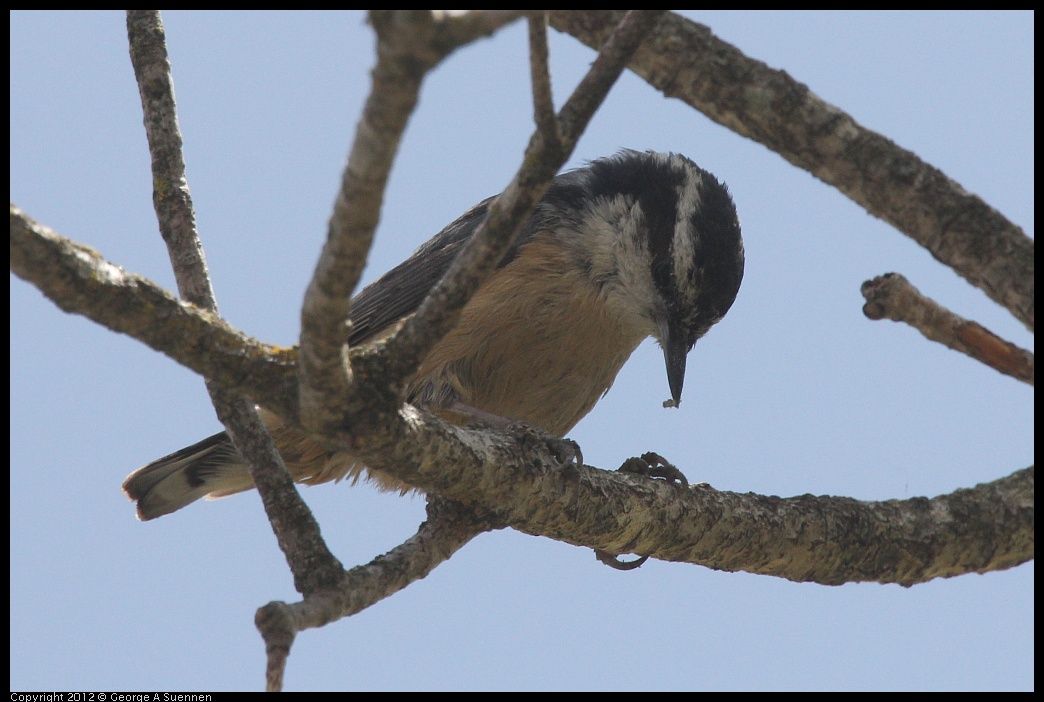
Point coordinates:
pixel 893 297
pixel 479 257
pixel 613 57
pixel 170 191
pixel 296 531
pixel 543 100
pixel 448 528
pixel 313 565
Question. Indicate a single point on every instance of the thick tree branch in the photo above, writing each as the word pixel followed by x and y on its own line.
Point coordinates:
pixel 892 296
pixel 828 540
pixel 685 60
pixel 79 280
pixel 819 539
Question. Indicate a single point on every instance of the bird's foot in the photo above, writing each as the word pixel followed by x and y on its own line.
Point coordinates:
pixel 653 465
pixel 565 451
pixel 650 465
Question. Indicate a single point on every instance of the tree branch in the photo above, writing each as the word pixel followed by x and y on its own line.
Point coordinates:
pixel 170 192
pixel 892 296
pixel 828 540
pixel 813 539
pixel 532 492
pixel 685 60
pixel 79 280
pixel 540 75
pixel 295 528
pixel 818 539
pixel 448 528
pixel 409 44
pixel 543 158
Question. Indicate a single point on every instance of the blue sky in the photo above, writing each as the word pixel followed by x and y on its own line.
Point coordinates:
pixel 794 392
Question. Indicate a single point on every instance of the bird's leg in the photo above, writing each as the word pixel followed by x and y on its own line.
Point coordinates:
pixel 565 451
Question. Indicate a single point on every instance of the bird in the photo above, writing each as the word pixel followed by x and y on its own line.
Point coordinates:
pixel 629 246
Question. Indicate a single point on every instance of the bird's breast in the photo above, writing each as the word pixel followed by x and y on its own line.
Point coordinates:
pixel 538 343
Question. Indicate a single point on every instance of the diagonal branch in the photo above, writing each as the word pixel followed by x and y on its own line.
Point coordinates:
pixel 409 44
pixel 170 191
pixel 543 158
pixel 685 60
pixel 296 530
pixel 78 280
pixel 448 528
pixel 892 296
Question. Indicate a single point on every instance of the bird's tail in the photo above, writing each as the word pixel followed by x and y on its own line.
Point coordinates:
pixel 209 468
pixel 213 468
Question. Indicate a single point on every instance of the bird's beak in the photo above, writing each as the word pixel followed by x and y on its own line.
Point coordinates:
pixel 675 350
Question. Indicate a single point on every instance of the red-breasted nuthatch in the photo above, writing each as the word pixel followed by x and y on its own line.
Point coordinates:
pixel 631 246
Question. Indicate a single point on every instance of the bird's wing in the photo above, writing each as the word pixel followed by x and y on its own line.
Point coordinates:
pixel 400 291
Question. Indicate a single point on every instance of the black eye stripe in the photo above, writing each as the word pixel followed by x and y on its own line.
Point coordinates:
pixel 659 206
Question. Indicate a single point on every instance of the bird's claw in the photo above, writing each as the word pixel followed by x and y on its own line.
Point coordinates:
pixel 650 465
pixel 653 465
pixel 615 562
pixel 565 451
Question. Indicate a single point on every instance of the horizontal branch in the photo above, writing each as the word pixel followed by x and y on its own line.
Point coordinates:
pixel 828 540
pixel 685 60
pixel 820 539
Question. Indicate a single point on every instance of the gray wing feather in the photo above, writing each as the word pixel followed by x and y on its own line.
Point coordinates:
pixel 400 291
